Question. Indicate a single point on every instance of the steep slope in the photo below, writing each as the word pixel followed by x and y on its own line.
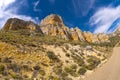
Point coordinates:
pixel 46 57
pixel 59 53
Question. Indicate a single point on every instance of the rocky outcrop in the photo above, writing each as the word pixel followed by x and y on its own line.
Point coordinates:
pixel 53 19
pixel 89 37
pixel 17 24
pixel 79 33
pixel 53 25
pixel 95 38
pixel 73 34
pixel 103 37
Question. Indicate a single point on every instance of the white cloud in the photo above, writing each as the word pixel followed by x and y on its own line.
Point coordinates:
pixel 6 12
pixel 35 6
pixel 5 3
pixel 104 18
pixel 82 7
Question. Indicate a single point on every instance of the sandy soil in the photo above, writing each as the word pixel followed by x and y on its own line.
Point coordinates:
pixel 110 70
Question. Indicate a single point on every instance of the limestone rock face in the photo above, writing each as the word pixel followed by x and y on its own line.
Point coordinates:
pixel 17 24
pixel 53 19
pixel 103 37
pixel 88 36
pixel 54 26
pixel 74 35
pixel 80 34
pixel 95 38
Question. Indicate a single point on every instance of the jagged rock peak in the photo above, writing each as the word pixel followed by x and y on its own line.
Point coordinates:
pixel 17 24
pixel 53 25
pixel 52 19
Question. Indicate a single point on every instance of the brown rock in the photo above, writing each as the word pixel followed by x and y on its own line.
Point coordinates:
pixel 17 24
pixel 53 19
pixel 103 37
pixel 95 38
pixel 92 38
pixel 80 34
pixel 88 36
pixel 74 35
pixel 53 25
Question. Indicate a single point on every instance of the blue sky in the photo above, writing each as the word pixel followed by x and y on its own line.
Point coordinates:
pixel 89 15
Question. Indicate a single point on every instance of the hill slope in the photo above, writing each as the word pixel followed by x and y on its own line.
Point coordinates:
pixel 53 25
pixel 51 50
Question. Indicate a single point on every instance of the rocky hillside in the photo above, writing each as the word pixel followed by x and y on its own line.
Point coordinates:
pixel 26 57
pixel 51 51
pixel 53 25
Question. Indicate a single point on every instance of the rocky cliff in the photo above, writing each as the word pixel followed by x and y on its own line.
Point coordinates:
pixel 17 24
pixel 53 25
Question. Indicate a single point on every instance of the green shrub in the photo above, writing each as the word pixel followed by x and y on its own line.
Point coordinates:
pixel 64 74
pixel 2 68
pixel 74 66
pixel 37 67
pixel 93 62
pixel 90 66
pixel 53 78
pixel 82 71
pixel 14 66
pixel 26 67
pixel 66 78
pixel 42 72
pixel 67 54
pixel 78 60
pixel 52 56
pixel 14 76
pixel 57 70
pixel 71 71
pixel 6 60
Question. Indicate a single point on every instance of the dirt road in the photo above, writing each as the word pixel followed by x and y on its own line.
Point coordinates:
pixel 110 70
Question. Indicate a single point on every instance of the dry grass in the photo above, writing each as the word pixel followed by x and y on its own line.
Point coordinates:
pixel 20 53
pixel 10 53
